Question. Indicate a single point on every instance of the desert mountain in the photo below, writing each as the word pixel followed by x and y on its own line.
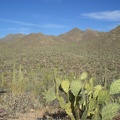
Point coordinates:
pixel 111 38
pixel 37 39
pixel 114 35
pixel 116 31
pixel 77 35
pixel 12 37
pixel 74 35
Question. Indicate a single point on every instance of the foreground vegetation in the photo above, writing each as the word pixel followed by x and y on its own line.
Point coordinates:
pixel 83 99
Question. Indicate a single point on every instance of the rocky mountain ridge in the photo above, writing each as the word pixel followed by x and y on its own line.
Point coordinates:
pixel 74 35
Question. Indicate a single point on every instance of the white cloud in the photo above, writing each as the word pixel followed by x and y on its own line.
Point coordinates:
pixel 105 15
pixel 47 25
pixel 20 22
pixel 15 29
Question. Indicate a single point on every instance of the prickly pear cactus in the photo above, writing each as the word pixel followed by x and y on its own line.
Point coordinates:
pixel 83 76
pixel 109 111
pixel 69 110
pixel 57 82
pixel 97 89
pixel 96 115
pixel 91 82
pixel 75 87
pixel 65 85
pixel 49 95
pixel 103 96
pixel 62 102
pixel 92 106
pixel 88 87
pixel 115 87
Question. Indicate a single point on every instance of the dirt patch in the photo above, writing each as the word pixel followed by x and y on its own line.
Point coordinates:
pixel 41 114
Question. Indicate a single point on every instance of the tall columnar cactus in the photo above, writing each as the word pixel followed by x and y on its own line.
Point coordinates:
pixel 19 82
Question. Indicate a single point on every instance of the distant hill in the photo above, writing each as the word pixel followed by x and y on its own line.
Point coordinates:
pixel 36 39
pixel 12 37
pixel 75 35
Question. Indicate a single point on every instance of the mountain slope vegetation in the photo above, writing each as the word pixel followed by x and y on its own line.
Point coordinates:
pixel 34 61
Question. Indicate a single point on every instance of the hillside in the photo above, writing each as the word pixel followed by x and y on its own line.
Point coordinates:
pixel 37 39
pixel 74 35
pixel 88 40
pixel 90 44
pixel 29 64
pixel 12 37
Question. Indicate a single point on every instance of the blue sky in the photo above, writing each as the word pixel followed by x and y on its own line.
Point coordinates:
pixel 54 17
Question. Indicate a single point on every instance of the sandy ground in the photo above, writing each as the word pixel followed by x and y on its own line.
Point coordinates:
pixel 32 115
pixel 35 114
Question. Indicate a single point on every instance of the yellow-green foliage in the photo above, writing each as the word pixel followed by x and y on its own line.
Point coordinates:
pixel 65 85
pixel 103 96
pixel 83 95
pixel 19 82
pixel 50 95
pixel 115 87
pixel 109 111
pixel 83 76
pixel 75 87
